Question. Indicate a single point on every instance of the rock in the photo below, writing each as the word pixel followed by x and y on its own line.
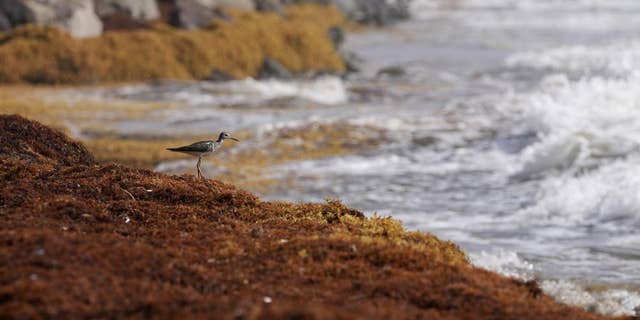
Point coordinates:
pixel 274 69
pixel 119 21
pixel 81 22
pixel 391 72
pixel 76 17
pixel 5 25
pixel 12 13
pixel 140 9
pixel 193 14
pixel 218 75
pixel 352 61
pixel 269 5
pixel 336 34
pixel 15 12
pixel 42 14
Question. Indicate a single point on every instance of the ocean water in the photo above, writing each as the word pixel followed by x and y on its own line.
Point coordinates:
pixel 513 130
pixel 532 113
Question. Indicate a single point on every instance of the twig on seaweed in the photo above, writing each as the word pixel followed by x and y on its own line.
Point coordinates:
pixel 129 193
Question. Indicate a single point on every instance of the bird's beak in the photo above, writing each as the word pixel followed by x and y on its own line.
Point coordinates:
pixel 234 139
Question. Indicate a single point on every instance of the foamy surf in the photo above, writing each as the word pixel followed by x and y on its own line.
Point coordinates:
pixel 617 59
pixel 324 90
pixel 328 90
pixel 592 15
pixel 614 302
pixel 579 124
pixel 607 198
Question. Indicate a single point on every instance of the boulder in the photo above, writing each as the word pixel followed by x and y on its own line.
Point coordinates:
pixel 192 14
pixel 139 9
pixel 269 5
pixel 337 36
pixel 80 20
pixel 352 61
pixel 273 69
pixel 5 24
pixel 218 75
pixel 15 12
pixel 392 72
pixel 76 17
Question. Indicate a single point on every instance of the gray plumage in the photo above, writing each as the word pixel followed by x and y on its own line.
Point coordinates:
pixel 199 148
pixel 203 148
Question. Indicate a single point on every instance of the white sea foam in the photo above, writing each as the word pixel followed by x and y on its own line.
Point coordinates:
pixel 615 302
pixel 592 15
pixel 527 4
pixel 580 124
pixel 589 137
pixel 605 198
pixel 325 90
pixel 507 263
pixel 620 59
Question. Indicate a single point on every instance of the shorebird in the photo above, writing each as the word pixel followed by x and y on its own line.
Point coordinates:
pixel 203 148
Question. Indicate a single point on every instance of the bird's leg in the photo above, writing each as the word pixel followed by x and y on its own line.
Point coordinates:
pixel 199 173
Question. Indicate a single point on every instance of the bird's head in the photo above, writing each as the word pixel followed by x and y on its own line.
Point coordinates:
pixel 225 135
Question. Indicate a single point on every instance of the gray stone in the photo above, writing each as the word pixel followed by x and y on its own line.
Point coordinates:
pixel 75 16
pixel 81 20
pixel 218 75
pixel 274 69
pixel 139 9
pixel 269 5
pixel 5 25
pixel 391 72
pixel 337 35
pixel 15 12
pixel 352 61
pixel 44 14
pixel 192 14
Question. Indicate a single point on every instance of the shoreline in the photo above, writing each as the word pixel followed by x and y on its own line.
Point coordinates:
pixel 297 40
pixel 69 218
pixel 100 124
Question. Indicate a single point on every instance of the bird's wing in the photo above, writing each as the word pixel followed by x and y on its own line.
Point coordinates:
pixel 200 146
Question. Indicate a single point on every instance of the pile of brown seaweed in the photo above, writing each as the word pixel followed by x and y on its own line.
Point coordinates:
pixel 82 240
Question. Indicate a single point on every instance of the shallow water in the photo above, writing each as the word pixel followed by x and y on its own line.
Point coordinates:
pixel 513 131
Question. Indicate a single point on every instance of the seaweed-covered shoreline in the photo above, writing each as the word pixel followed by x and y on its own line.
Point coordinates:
pixel 83 240
pixel 297 39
